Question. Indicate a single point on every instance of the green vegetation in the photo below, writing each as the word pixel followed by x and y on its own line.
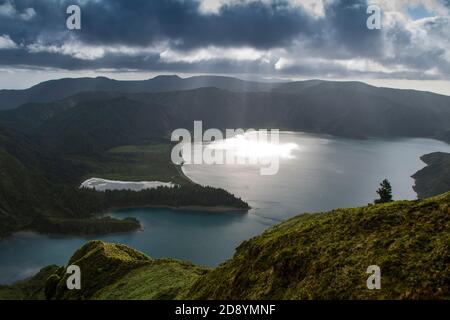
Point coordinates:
pixel 86 226
pixel 325 256
pixel 115 271
pixel 30 289
pixel 163 279
pixel 434 179
pixel 39 188
pixel 385 192
pixel 149 162
pixel 311 256
pixel 178 196
pixel 32 199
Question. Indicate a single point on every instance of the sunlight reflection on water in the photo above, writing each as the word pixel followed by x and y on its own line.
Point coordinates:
pixel 249 146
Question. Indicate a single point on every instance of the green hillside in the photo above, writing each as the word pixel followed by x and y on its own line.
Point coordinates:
pixel 33 195
pixel 353 109
pixel 96 121
pixel 311 256
pixel 325 256
pixel 435 177
pixel 39 184
pixel 115 271
pixel 30 289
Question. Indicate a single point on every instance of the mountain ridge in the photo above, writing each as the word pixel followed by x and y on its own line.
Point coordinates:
pixel 52 90
pixel 358 115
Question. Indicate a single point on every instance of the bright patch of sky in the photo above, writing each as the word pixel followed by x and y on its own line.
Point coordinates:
pixel 419 12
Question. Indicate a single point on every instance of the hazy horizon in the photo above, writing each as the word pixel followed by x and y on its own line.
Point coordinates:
pixel 433 86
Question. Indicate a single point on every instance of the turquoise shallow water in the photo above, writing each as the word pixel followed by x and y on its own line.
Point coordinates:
pixel 203 237
pixel 324 173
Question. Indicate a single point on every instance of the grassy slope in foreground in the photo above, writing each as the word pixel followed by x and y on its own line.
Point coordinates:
pixel 30 289
pixel 311 256
pixel 325 256
pixel 116 271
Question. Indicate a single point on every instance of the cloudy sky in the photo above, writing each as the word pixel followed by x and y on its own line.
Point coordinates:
pixel 257 39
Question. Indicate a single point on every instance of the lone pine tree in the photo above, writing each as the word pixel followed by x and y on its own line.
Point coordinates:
pixel 385 192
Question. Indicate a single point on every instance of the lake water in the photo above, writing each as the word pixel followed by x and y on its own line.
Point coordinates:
pixel 321 173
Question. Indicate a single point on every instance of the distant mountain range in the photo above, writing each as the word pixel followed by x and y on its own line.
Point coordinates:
pixel 128 111
pixel 59 89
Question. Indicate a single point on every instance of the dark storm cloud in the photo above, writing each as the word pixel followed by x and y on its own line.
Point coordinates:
pixel 38 28
pixel 143 22
pixel 347 24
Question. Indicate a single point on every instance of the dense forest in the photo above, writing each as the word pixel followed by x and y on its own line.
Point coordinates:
pixel 88 201
pixel 178 196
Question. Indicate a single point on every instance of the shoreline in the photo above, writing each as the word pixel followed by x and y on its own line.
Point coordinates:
pixel 205 209
pixel 222 209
